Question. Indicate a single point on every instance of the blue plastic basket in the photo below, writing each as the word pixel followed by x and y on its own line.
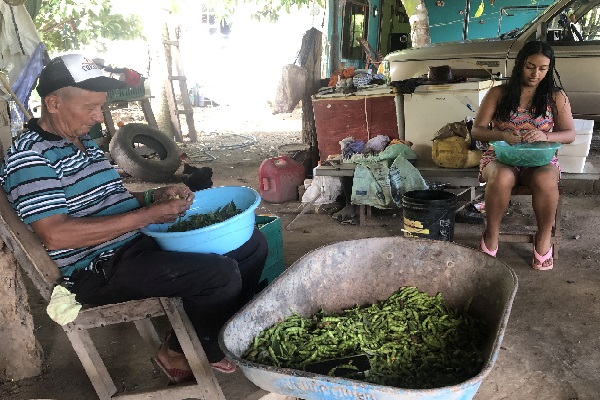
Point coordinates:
pixel 219 238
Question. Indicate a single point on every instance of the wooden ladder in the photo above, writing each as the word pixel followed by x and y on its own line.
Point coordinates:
pixel 174 64
pixel 372 56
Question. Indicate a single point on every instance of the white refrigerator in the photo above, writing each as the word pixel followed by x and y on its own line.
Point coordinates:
pixel 431 107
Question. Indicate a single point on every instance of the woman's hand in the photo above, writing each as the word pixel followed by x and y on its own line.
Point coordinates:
pixel 534 135
pixel 511 137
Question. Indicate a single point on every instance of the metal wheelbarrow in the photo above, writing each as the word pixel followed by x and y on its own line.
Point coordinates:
pixel 339 276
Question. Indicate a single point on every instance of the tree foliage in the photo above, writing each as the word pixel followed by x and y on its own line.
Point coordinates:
pixel 263 10
pixel 69 24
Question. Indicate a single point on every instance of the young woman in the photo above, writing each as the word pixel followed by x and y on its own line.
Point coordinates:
pixel 531 107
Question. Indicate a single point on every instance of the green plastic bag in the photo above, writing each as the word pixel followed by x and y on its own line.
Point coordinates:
pixel 382 183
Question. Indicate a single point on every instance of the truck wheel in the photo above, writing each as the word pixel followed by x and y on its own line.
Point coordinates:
pixel 145 152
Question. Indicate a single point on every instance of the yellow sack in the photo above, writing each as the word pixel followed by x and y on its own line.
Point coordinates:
pixel 450 147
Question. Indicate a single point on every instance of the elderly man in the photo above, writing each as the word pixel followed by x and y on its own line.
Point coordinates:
pixel 64 189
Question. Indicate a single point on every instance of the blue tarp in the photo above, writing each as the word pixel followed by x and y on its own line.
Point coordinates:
pixel 27 79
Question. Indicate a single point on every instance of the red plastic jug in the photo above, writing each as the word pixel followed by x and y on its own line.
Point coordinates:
pixel 279 178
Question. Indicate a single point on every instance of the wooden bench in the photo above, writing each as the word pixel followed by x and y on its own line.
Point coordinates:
pixel 467 188
pixel 43 272
pixel 463 183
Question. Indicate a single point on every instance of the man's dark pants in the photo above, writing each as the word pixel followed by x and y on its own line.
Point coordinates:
pixel 213 287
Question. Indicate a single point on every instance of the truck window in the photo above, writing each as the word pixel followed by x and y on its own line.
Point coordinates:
pixel 580 22
pixel 354 26
pixel 511 17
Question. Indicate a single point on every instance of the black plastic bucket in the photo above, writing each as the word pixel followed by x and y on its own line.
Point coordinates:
pixel 429 214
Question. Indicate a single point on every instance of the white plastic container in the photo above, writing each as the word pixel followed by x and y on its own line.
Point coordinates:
pixel 571 164
pixel 584 125
pixel 583 140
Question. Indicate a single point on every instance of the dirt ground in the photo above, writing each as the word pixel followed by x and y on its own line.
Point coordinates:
pixel 550 351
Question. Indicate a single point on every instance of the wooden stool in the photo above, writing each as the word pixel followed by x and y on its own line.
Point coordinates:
pixel 522 237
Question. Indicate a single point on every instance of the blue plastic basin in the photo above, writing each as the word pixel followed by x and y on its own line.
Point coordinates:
pixel 219 238
pixel 533 154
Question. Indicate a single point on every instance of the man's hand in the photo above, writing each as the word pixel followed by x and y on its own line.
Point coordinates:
pixel 169 203
pixel 167 210
pixel 173 193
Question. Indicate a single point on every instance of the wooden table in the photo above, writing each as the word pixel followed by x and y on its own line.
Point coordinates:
pixel 460 177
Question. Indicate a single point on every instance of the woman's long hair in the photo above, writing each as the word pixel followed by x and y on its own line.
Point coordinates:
pixel 543 96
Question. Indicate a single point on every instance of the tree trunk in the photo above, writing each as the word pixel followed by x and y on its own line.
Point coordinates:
pixel 159 82
pixel 21 355
pixel 419 24
pixel 310 59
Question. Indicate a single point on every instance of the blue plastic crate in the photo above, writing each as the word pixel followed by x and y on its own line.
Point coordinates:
pixel 127 93
pixel 270 225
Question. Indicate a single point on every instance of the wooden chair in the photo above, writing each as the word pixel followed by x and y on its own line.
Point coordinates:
pixel 528 237
pixel 44 274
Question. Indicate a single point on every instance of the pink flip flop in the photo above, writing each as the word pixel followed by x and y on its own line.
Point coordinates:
pixel 542 263
pixel 226 365
pixel 484 248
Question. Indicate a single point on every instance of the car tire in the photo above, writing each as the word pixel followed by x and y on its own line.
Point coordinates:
pixel 127 153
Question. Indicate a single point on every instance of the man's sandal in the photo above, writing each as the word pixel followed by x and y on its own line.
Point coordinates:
pixel 175 375
pixel 226 365
pixel 542 263
pixel 484 248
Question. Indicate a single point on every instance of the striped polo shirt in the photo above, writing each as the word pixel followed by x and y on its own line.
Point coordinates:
pixel 44 175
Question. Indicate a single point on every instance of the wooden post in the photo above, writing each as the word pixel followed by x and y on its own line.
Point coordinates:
pixel 334 46
pixel 310 59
